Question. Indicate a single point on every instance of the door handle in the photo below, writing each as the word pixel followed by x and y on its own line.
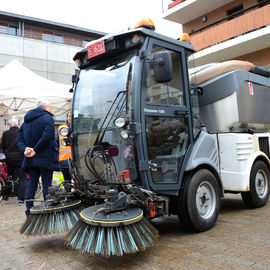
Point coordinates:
pixel 181 112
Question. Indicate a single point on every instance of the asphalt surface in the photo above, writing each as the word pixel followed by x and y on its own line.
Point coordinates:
pixel 239 240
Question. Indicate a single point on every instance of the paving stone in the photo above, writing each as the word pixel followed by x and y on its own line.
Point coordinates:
pixel 239 240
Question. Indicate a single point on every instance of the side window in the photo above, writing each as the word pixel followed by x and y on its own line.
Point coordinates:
pixel 171 93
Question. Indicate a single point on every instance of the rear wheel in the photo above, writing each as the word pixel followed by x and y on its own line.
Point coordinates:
pixel 199 201
pixel 259 186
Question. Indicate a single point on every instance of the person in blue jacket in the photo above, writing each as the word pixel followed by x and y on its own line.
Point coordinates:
pixel 36 139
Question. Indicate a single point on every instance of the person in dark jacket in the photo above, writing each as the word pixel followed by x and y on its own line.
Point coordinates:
pixel 14 158
pixel 36 138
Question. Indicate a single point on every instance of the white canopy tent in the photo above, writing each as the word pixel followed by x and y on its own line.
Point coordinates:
pixel 20 88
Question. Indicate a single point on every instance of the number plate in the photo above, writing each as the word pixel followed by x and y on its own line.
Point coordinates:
pixel 95 49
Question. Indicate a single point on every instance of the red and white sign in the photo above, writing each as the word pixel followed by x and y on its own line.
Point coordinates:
pixel 250 87
pixel 95 49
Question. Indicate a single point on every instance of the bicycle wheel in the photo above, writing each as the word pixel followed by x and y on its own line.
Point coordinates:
pixel 39 189
pixel 2 185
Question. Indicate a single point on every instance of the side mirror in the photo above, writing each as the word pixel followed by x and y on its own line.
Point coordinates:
pixel 163 67
pixel 74 79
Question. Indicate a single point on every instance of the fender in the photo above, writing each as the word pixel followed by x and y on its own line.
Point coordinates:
pixel 204 151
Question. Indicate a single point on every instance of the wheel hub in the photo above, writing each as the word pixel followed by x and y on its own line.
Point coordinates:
pixel 205 200
pixel 261 183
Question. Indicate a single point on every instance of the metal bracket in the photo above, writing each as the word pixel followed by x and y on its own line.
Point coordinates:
pixel 144 165
pixel 135 128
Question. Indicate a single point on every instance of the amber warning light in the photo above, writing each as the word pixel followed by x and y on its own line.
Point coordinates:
pixel 144 22
pixel 185 37
pixel 96 48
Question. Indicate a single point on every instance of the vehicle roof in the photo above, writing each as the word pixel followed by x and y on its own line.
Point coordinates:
pixel 156 35
pixel 184 44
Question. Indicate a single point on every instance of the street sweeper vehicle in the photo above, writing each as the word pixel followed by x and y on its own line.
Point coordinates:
pixel 151 137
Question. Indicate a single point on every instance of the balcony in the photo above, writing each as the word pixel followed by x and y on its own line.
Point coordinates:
pixel 250 21
pixel 244 45
pixel 183 11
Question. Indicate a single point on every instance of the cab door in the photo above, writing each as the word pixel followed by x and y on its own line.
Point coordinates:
pixel 166 121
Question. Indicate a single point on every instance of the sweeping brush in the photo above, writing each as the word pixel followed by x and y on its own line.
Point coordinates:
pixel 47 219
pixel 111 234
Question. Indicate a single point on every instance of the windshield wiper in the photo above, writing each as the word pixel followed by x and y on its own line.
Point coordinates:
pixel 118 65
pixel 119 102
pixel 118 99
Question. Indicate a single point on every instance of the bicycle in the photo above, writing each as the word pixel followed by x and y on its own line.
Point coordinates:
pixel 8 186
pixel 3 178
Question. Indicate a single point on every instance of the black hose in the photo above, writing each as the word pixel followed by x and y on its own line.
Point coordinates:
pixel 89 164
pixel 261 71
pixel 91 155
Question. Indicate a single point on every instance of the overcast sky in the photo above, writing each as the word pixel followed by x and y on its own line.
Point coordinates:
pixel 101 15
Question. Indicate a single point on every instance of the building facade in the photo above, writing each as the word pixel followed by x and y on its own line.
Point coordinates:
pixel 47 48
pixel 224 29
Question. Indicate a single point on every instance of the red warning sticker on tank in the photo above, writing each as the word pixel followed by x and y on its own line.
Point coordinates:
pixel 250 87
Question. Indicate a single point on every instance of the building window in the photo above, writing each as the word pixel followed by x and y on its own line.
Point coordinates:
pixel 12 30
pixel 263 3
pixel 58 38
pixel 235 12
pixel 54 37
pixel 47 36
pixel 4 28
pixel 8 29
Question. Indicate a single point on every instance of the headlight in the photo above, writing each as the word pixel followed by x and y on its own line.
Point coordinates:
pixel 63 142
pixel 121 122
pixel 124 134
pixel 64 131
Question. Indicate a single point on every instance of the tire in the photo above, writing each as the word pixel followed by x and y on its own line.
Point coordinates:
pixel 199 201
pixel 2 184
pixel 259 181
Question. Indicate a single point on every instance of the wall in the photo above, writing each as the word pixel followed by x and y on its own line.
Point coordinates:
pixel 50 60
pixel 216 15
pixel 261 57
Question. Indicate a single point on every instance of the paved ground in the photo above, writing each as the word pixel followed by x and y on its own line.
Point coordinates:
pixel 240 240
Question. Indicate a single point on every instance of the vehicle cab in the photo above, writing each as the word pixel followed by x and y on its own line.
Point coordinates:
pixel 133 100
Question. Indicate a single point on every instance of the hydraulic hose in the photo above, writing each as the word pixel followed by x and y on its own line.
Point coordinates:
pixel 261 71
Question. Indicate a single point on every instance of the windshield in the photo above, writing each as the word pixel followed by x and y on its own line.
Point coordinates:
pixel 100 97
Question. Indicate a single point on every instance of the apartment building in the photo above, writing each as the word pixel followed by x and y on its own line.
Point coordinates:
pixel 224 29
pixel 45 47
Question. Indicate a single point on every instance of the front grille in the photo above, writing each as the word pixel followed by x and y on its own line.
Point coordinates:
pixel 264 145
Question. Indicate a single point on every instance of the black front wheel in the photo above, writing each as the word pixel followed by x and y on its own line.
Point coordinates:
pixel 259 186
pixel 199 201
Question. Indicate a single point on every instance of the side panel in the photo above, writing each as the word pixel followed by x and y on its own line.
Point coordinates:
pixel 214 118
pixel 204 152
pixel 235 102
pixel 237 153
